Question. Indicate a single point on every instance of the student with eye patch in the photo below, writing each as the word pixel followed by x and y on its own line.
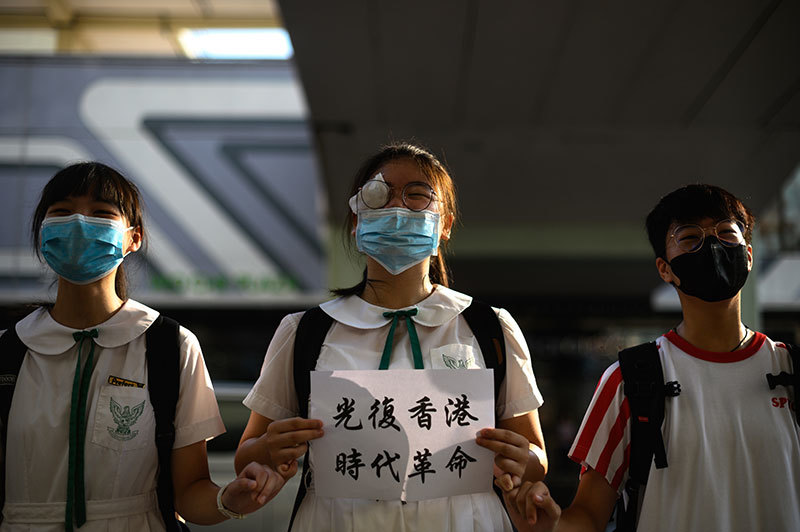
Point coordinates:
pixel 401 315
pixel 81 448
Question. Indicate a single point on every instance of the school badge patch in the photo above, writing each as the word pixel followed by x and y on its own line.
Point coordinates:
pixel 455 363
pixel 124 417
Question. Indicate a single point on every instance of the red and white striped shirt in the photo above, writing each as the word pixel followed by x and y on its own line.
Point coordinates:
pixel 733 445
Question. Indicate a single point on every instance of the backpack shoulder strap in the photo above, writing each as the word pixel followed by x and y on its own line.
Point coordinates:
pixel 794 352
pixel 645 389
pixel 12 353
pixel 310 334
pixel 163 378
pixel 643 380
pixel 485 324
pixel 483 321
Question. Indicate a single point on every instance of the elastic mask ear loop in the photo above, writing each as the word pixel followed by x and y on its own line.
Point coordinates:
pixel 125 231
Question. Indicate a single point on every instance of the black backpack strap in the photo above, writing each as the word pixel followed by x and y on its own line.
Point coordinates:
pixel 163 379
pixel 310 334
pixel 485 324
pixel 646 392
pixel 12 353
pixel 483 321
pixel 787 380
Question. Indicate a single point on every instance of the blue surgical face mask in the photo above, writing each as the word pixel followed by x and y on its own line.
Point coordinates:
pixel 82 249
pixel 397 238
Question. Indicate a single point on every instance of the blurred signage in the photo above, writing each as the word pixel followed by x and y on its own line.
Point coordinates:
pixel 221 152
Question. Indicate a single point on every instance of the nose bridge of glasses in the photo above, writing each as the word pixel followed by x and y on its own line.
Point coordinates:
pixel 726 231
pixel 394 197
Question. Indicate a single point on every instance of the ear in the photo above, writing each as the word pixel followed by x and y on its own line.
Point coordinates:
pixel 665 271
pixel 353 223
pixel 136 240
pixel 447 227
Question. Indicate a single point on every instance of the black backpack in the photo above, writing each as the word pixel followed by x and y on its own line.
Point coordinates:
pixel 314 326
pixel 646 392
pixel 163 377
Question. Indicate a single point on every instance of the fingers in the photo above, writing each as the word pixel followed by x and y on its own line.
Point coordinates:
pixel 258 476
pixel 287 455
pixel 549 505
pixel 294 431
pixel 261 481
pixel 294 424
pixel 502 441
pixel 512 452
pixel 526 502
pixel 271 487
pixel 287 438
pixel 288 470
pixel 504 482
pixel 503 435
pixel 533 500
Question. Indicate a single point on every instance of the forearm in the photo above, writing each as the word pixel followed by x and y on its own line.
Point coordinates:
pixel 252 450
pixel 577 519
pixel 198 503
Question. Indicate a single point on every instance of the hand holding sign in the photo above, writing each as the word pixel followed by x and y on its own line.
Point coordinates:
pixel 512 452
pixel 287 440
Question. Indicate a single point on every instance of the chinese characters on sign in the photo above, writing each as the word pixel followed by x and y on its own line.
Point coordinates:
pixel 401 434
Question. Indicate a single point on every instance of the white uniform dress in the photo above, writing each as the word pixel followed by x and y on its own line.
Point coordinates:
pixel 120 465
pixel 355 341
pixel 733 445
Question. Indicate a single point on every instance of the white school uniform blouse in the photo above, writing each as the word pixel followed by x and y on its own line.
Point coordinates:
pixel 120 466
pixel 355 341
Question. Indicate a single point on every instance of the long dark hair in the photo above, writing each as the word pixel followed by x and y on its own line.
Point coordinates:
pixel 102 183
pixel 438 177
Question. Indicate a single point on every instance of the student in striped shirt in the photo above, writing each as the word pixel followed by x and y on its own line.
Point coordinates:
pixel 732 443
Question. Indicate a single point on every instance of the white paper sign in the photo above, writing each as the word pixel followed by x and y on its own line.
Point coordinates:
pixel 401 434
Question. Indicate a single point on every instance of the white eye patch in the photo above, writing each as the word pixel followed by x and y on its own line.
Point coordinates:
pixel 375 194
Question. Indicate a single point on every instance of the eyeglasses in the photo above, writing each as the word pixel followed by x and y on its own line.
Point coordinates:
pixel 416 196
pixel 689 238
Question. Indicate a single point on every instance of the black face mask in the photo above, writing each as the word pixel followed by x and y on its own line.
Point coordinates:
pixel 714 272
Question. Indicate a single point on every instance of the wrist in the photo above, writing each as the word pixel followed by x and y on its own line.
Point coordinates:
pixel 227 512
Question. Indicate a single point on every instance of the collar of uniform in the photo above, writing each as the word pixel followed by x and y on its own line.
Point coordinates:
pixel 42 334
pixel 437 309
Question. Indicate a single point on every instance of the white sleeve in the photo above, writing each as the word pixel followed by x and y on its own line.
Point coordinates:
pixel 197 415
pixel 273 395
pixel 519 393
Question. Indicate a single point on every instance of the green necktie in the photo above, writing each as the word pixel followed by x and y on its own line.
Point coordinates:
pixel 412 335
pixel 76 493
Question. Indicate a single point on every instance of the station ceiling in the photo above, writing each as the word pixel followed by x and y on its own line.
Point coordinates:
pixel 562 122
pixel 557 111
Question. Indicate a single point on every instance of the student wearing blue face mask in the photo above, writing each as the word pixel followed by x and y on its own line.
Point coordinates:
pixel 401 315
pixel 80 438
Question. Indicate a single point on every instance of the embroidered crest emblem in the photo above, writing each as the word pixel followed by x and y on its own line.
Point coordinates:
pixel 454 363
pixel 124 417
